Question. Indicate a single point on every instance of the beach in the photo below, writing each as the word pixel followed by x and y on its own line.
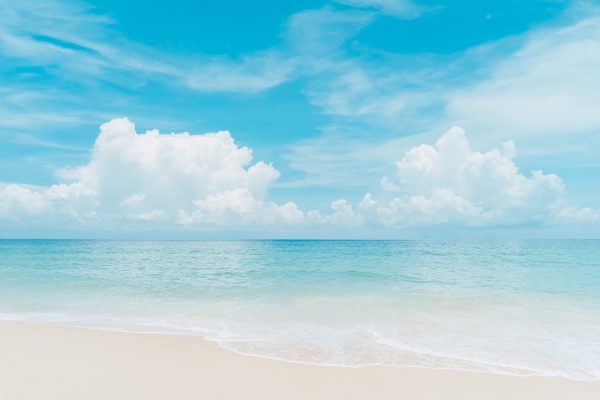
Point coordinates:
pixel 52 362
pixel 504 308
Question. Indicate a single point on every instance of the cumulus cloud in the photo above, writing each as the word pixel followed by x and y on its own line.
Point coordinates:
pixel 208 180
pixel 183 178
pixel 449 182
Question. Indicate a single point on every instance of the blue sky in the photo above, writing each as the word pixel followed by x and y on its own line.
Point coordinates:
pixel 338 98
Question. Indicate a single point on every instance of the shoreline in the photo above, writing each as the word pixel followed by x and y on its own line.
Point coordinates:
pixel 57 362
pixel 199 336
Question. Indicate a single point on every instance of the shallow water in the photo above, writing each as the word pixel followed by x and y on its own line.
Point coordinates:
pixel 515 307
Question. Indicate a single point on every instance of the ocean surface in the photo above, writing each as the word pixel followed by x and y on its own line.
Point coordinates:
pixel 511 307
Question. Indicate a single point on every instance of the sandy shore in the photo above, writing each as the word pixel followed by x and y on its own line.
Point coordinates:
pixel 48 362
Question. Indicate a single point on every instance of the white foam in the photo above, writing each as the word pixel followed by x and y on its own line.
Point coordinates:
pixel 520 349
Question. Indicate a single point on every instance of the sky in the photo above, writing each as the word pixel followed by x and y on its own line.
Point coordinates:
pixel 284 119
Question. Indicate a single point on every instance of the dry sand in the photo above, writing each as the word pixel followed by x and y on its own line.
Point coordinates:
pixel 48 362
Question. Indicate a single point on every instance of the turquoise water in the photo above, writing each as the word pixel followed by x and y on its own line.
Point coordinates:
pixel 513 307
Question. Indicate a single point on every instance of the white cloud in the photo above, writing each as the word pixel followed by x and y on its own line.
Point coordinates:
pixel 449 182
pixel 190 179
pixel 20 199
pixel 344 215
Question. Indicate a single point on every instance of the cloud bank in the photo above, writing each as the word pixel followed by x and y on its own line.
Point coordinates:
pixel 207 181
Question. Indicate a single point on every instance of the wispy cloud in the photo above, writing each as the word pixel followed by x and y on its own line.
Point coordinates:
pixel 406 9
pixel 75 44
pixel 548 86
pixel 31 140
pixel 72 39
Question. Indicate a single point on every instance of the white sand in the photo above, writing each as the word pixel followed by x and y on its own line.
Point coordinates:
pixel 47 362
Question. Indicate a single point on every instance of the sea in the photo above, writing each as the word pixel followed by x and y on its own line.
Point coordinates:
pixel 518 307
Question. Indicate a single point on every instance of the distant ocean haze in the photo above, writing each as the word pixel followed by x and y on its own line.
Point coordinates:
pixel 513 307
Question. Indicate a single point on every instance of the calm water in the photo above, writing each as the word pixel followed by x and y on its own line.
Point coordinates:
pixel 517 307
